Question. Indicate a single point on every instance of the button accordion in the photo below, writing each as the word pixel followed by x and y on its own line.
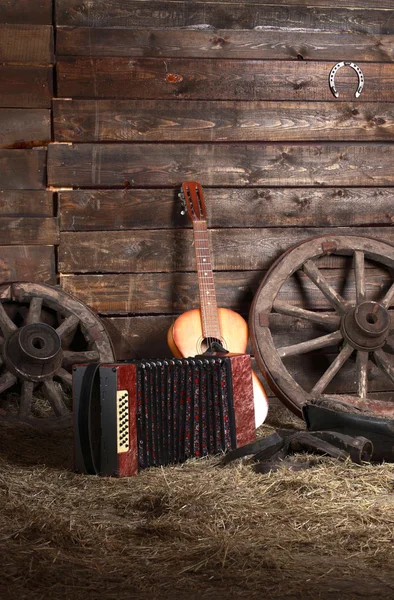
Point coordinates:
pixel 133 415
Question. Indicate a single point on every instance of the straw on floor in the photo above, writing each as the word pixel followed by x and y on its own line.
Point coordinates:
pixel 190 531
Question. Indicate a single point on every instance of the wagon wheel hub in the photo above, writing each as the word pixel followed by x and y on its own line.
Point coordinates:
pixel 33 352
pixel 366 326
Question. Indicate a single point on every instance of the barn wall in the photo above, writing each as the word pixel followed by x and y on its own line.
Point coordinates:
pixel 149 94
pixel 29 229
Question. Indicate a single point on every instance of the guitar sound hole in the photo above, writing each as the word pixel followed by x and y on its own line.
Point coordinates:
pixel 212 345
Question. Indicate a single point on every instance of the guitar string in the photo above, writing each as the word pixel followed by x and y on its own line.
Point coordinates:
pixel 210 313
pixel 206 289
pixel 210 316
pixel 202 285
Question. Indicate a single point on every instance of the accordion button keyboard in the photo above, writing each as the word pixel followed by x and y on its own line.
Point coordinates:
pixel 122 415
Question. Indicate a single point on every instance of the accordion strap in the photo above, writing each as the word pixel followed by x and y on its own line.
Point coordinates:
pixel 84 417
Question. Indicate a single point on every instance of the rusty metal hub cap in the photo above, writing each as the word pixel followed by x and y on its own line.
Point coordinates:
pixel 366 326
pixel 33 352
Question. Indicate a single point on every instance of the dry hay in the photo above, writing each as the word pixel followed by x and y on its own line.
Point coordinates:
pixel 191 531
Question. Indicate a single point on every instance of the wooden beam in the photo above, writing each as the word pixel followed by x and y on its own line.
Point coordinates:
pixel 28 263
pixel 220 121
pixel 224 43
pixel 26 44
pixel 220 79
pixel 168 165
pixel 228 15
pixel 27 203
pixel 29 230
pixel 38 12
pixel 92 210
pixel 168 250
pixel 170 293
pixel 23 169
pixel 25 86
pixel 24 128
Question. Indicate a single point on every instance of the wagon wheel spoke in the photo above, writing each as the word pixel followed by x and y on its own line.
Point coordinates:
pixel 6 381
pixel 54 395
pixel 332 370
pixel 384 363
pixel 389 297
pixel 304 347
pixel 26 398
pixel 6 325
pixel 75 358
pixel 34 314
pixel 315 275
pixel 324 318
pixel 359 275
pixel 362 371
pixel 68 326
pixel 64 376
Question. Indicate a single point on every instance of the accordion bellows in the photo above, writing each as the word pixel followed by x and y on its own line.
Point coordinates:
pixel 130 416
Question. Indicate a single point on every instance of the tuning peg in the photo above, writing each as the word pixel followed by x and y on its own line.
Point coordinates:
pixel 181 197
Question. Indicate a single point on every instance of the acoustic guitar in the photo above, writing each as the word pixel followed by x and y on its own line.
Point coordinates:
pixel 210 328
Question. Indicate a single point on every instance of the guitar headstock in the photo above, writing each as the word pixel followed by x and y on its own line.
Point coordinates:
pixel 193 200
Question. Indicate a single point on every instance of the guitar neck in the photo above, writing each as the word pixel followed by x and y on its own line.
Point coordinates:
pixel 206 286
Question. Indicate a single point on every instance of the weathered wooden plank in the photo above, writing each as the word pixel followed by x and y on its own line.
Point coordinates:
pixel 159 293
pixel 23 169
pixel 28 263
pixel 139 337
pixel 29 230
pixel 168 165
pixel 84 210
pixel 172 250
pixel 365 4
pixel 218 79
pixel 169 293
pixel 24 128
pixel 25 86
pixel 26 44
pixel 37 12
pixel 215 121
pixel 26 203
pixel 224 43
pixel 229 15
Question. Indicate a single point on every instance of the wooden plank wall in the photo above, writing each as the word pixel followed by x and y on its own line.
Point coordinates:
pixel 27 221
pixel 234 94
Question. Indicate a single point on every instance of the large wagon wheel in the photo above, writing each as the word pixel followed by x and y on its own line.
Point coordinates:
pixel 334 334
pixel 43 332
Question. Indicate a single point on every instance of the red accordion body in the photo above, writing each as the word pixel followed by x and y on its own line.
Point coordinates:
pixel 130 416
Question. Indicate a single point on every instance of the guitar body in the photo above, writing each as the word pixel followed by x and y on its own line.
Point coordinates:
pixel 185 338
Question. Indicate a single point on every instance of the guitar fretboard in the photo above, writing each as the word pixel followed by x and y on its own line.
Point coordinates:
pixel 209 307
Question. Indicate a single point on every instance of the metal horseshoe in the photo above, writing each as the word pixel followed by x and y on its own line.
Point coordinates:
pixel 353 66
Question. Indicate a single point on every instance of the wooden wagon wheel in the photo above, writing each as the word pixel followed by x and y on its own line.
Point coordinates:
pixel 343 335
pixel 44 331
